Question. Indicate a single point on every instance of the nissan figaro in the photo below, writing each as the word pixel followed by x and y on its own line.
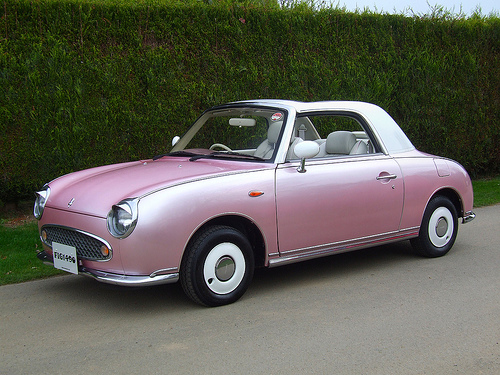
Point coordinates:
pixel 258 183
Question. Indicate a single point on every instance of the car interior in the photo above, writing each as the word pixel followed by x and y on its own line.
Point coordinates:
pixel 346 138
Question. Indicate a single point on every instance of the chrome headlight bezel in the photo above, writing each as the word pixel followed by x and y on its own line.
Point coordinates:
pixel 41 200
pixel 122 218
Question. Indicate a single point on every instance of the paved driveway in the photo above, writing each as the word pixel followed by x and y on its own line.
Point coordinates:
pixel 376 311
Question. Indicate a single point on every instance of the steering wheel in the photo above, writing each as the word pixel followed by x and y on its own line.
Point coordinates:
pixel 224 147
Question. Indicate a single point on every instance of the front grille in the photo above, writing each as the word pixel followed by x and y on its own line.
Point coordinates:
pixel 87 246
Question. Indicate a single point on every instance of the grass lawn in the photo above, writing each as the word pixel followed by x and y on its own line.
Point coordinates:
pixel 486 191
pixel 18 249
pixel 19 241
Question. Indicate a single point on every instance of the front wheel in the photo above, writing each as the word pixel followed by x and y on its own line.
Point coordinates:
pixel 218 266
pixel 438 230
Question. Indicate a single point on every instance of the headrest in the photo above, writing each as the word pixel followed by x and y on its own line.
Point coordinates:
pixel 340 142
pixel 273 132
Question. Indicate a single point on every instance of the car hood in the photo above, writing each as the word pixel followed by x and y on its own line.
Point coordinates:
pixel 94 191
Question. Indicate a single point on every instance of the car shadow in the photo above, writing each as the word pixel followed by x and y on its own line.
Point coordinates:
pixel 332 267
pixel 170 298
pixel 121 300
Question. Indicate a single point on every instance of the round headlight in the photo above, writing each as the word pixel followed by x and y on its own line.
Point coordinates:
pixel 41 199
pixel 122 218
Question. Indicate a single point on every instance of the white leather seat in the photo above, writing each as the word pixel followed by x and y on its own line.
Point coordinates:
pixel 360 147
pixel 266 148
pixel 337 143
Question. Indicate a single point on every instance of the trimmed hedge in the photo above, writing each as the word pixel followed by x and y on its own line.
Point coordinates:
pixel 86 83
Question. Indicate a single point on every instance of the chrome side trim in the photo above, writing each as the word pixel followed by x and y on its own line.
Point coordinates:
pixel 224 174
pixel 342 247
pixel 468 217
pixel 126 280
pixel 163 271
pixel 372 240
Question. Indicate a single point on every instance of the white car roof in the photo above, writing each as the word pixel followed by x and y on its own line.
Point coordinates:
pixel 388 132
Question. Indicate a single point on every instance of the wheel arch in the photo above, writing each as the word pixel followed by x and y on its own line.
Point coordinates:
pixel 247 227
pixel 453 196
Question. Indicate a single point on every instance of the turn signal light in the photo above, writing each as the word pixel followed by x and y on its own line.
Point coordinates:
pixel 104 251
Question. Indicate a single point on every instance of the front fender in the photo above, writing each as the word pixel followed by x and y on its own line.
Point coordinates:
pixel 169 217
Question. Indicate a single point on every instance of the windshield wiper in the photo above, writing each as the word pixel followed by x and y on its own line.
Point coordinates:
pixel 223 154
pixel 176 153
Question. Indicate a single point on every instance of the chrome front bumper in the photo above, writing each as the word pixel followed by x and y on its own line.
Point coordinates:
pixel 468 217
pixel 126 280
pixel 117 279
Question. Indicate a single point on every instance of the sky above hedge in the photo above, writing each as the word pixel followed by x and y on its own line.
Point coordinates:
pixel 466 7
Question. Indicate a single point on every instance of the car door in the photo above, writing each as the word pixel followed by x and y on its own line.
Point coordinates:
pixel 339 202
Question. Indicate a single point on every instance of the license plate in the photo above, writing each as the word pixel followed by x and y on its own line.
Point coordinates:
pixel 65 257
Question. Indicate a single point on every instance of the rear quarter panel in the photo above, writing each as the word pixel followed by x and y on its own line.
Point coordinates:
pixel 422 181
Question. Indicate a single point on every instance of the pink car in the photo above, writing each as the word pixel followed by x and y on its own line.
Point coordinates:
pixel 257 183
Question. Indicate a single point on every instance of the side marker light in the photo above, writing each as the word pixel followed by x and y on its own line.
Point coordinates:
pixel 255 193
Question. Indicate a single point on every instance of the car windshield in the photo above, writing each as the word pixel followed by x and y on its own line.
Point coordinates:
pixel 243 133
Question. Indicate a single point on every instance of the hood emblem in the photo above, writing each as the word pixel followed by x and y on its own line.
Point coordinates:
pixel 70 203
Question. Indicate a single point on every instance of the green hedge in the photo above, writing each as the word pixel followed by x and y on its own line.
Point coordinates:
pixel 86 83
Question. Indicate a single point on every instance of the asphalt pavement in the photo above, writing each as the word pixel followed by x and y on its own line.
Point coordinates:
pixel 375 311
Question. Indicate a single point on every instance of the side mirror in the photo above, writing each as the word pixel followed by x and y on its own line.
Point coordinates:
pixel 175 140
pixel 305 150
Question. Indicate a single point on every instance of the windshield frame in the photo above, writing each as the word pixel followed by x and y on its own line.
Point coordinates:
pixel 235 109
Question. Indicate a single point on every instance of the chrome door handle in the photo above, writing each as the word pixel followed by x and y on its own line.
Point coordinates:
pixel 387 177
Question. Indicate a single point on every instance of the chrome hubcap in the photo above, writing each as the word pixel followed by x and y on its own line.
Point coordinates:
pixel 441 227
pixel 224 269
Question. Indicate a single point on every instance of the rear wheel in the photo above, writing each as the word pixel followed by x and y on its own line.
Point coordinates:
pixel 438 230
pixel 218 266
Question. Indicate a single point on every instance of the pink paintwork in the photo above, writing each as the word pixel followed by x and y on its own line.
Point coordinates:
pixel 340 202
